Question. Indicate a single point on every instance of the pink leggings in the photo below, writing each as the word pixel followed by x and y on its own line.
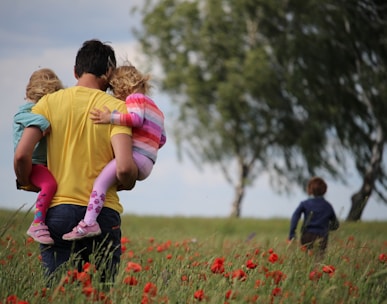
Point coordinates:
pixel 42 178
pixel 106 179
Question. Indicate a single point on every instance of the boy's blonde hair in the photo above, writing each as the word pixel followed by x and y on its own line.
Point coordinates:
pixel 316 186
pixel 127 80
pixel 42 82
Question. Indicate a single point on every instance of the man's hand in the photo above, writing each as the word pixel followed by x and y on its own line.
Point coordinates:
pixel 101 117
pixel 30 188
pixel 122 188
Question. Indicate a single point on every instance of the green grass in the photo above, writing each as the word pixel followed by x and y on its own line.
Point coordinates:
pixel 176 255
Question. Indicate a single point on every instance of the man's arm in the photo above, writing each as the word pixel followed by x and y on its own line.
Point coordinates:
pixel 126 168
pixel 23 154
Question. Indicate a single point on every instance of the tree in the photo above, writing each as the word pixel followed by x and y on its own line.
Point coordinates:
pixel 258 88
pixel 342 57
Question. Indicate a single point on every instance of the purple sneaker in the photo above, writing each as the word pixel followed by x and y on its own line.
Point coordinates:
pixel 82 230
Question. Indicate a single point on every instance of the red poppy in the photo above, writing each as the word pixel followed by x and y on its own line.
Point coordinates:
pixel 129 280
pixel 277 276
pixel 218 265
pixel 329 269
pixel 250 264
pixel 230 294
pixel 383 257
pixel 72 275
pixel 145 299
pixel 124 240
pixel 150 289
pixel 259 283
pixel 315 275
pixel 199 295
pixel 133 266
pixel 273 257
pixel 352 289
pixel 88 291
pixel 12 299
pixel 239 274
pixel 89 268
pixel 84 278
pixel 276 291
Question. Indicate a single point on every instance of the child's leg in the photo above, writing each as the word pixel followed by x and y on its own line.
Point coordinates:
pixel 106 179
pixel 89 227
pixel 41 177
pixel 144 165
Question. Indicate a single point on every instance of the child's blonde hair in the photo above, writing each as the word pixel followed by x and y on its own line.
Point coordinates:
pixel 127 80
pixel 42 82
pixel 316 186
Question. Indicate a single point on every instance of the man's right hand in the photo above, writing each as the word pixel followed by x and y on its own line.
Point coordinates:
pixel 122 188
pixel 30 188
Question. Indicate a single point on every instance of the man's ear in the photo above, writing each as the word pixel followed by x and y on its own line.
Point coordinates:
pixel 75 74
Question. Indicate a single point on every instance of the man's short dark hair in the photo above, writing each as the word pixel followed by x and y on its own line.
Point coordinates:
pixel 94 57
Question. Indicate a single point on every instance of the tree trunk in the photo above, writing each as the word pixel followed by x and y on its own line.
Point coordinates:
pixel 237 202
pixel 244 171
pixel 359 199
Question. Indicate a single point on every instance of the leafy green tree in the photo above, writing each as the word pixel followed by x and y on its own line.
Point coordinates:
pixel 340 51
pixel 266 86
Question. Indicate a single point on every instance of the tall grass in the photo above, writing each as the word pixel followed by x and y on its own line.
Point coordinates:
pixel 209 260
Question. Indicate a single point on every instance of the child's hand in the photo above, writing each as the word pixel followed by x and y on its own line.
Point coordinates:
pixel 100 117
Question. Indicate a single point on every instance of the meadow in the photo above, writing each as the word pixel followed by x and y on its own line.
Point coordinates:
pixel 208 260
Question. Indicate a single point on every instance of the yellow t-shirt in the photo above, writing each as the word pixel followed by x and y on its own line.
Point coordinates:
pixel 78 149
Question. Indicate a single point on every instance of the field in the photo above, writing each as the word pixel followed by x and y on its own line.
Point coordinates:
pixel 217 260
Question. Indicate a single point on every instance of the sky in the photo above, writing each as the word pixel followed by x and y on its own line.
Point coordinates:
pixel 44 33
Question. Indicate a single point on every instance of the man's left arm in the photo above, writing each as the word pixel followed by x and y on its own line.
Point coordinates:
pixel 23 154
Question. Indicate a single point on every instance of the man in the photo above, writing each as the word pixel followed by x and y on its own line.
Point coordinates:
pixel 78 150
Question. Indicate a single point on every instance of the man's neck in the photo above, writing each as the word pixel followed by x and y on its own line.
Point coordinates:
pixel 91 81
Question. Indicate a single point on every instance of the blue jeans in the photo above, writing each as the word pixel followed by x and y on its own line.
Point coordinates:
pixel 104 250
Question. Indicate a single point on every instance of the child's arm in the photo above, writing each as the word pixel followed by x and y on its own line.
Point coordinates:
pixel 294 221
pixel 100 117
pixel 29 119
pixel 134 117
pixel 115 118
pixel 334 223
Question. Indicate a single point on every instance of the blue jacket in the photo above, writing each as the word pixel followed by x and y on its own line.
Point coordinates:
pixel 319 217
pixel 23 119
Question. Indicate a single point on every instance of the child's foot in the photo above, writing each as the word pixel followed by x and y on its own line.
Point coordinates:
pixel 82 230
pixel 40 234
